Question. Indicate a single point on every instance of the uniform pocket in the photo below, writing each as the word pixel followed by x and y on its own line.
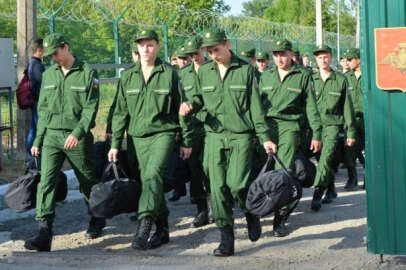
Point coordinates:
pixel 133 91
pixel 162 100
pixel 208 89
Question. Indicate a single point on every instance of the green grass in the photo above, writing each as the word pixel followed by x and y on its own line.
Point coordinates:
pixel 107 92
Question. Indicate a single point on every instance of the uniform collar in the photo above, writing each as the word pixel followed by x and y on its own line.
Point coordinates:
pixel 77 64
pixel 158 67
pixel 331 77
pixel 235 61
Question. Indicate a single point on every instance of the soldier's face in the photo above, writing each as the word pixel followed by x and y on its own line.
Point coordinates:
pixel 60 55
pixel 323 60
pixel 220 53
pixel 306 61
pixel 148 49
pixel 182 61
pixel 283 59
pixel 197 56
pixel 344 64
pixel 262 64
pixel 354 63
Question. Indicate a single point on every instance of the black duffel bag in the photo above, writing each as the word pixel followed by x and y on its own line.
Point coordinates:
pixel 273 190
pixel 305 170
pixel 21 195
pixel 115 194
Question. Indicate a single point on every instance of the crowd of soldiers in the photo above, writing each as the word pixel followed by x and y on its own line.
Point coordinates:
pixel 226 113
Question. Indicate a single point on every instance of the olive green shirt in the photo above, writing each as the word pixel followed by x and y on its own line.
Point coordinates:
pixel 334 101
pixel 68 102
pixel 292 98
pixel 356 93
pixel 233 104
pixel 146 107
pixel 189 78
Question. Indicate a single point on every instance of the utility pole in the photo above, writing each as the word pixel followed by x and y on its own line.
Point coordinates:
pixel 319 24
pixel 26 34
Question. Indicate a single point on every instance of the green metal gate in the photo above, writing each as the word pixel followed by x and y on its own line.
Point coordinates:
pixel 385 122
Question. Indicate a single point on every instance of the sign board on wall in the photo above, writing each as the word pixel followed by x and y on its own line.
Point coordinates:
pixel 7 65
pixel 390 58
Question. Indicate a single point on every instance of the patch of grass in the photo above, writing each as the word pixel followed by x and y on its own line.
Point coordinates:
pixel 107 92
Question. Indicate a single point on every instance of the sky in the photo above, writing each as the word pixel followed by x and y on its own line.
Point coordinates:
pixel 236 6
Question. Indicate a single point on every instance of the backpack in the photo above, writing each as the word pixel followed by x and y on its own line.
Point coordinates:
pixel 273 190
pixel 21 195
pixel 25 99
pixel 115 194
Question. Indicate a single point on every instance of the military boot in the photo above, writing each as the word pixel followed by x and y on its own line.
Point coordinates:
pixel 202 217
pixel 254 227
pixel 43 240
pixel 95 227
pixel 160 236
pixel 352 181
pixel 330 194
pixel 226 247
pixel 279 227
pixel 317 195
pixel 142 235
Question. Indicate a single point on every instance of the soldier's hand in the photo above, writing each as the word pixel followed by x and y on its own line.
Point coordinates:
pixel 350 142
pixel 185 109
pixel 315 146
pixel 35 151
pixel 185 152
pixel 113 155
pixel 270 146
pixel 71 142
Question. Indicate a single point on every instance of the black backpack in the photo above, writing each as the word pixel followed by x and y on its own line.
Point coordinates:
pixel 305 170
pixel 115 194
pixel 21 195
pixel 272 190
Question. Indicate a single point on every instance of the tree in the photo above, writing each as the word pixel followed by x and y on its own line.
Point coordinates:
pixel 255 8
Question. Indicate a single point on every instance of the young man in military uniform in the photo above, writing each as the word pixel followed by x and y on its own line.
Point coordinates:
pixel 199 185
pixel 287 94
pixel 227 91
pixel 352 153
pixel 148 103
pixel 249 55
pixel 335 107
pixel 262 59
pixel 67 108
pixel 183 58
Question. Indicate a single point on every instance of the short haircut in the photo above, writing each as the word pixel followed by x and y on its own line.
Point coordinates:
pixel 36 44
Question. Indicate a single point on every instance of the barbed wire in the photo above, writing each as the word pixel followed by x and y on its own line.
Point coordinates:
pixel 161 12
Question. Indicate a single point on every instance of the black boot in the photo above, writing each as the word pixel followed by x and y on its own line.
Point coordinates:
pixel 202 217
pixel 330 194
pixel 352 181
pixel 95 228
pixel 160 236
pixel 226 247
pixel 43 240
pixel 279 227
pixel 142 235
pixel 317 195
pixel 254 227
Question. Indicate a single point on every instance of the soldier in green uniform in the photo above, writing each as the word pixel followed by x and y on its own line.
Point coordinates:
pixel 288 96
pixel 352 153
pixel 148 104
pixel 296 57
pixel 182 57
pixel 263 60
pixel 249 55
pixel 306 61
pixel 199 185
pixel 227 91
pixel 67 109
pixel 344 65
pixel 335 107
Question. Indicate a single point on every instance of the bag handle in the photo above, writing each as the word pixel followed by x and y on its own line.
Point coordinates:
pixel 271 156
pixel 115 168
pixel 33 164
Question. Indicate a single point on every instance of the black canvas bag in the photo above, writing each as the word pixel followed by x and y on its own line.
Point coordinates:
pixel 115 194
pixel 21 195
pixel 305 170
pixel 273 190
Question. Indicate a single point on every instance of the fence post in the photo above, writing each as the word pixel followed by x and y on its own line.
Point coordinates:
pixel 165 31
pixel 115 22
pixel 51 16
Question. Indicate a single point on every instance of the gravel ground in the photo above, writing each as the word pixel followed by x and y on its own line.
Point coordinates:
pixel 333 238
